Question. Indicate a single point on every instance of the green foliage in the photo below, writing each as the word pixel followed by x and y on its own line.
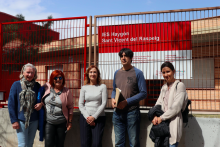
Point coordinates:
pixel 27 37
pixel 41 33
pixel 11 31
pixel 17 57
pixel 20 17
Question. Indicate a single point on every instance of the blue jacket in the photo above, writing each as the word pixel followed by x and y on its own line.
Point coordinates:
pixel 41 114
pixel 14 103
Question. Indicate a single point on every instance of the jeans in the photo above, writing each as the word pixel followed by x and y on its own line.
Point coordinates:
pixel 26 136
pixel 174 145
pixel 127 121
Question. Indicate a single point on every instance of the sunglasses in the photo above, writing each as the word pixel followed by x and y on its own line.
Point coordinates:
pixel 60 78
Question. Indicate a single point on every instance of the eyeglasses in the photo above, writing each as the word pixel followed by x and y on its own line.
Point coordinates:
pixel 60 78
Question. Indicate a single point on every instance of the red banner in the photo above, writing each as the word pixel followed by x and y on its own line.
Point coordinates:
pixel 167 36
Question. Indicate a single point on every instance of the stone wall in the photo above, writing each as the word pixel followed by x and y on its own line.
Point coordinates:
pixel 202 131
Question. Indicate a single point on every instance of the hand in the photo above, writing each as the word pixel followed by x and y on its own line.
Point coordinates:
pixel 38 106
pixel 15 125
pixel 69 126
pixel 113 103
pixel 90 119
pixel 122 104
pixel 159 120
pixel 92 123
pixel 154 121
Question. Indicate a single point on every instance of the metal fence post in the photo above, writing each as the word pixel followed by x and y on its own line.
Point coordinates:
pixel 1 44
pixel 95 40
pixel 90 38
pixel 85 45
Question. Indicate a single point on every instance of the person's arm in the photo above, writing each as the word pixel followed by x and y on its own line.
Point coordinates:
pixel 159 100
pixel 13 103
pixel 113 91
pixel 70 102
pixel 82 103
pixel 142 90
pixel 69 126
pixel 39 104
pixel 70 109
pixel 104 101
pixel 70 118
pixel 13 106
pixel 177 104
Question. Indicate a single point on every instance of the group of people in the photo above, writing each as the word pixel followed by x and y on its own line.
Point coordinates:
pixel 27 98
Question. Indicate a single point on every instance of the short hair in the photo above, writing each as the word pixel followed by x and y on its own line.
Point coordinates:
pixel 128 52
pixel 24 69
pixel 167 64
pixel 54 74
pixel 87 80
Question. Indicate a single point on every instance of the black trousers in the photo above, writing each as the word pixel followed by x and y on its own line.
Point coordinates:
pixel 91 135
pixel 55 134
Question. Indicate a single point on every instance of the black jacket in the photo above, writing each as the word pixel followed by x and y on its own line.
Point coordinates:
pixel 159 134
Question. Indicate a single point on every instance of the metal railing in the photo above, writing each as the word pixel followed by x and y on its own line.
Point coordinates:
pixel 48 44
pixel 189 38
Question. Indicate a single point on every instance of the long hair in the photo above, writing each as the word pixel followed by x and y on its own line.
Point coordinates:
pixel 54 74
pixel 87 80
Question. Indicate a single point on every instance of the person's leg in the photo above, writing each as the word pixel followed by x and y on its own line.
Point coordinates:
pixel 50 132
pixel 174 145
pixel 133 127
pixel 85 132
pixel 32 129
pixel 22 134
pixel 119 128
pixel 60 134
pixel 97 132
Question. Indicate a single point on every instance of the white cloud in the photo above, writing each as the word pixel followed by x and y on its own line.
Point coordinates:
pixel 31 9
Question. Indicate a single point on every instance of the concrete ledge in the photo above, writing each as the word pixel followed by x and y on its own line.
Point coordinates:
pixel 202 131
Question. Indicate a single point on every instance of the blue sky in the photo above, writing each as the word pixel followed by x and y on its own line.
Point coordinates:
pixel 40 9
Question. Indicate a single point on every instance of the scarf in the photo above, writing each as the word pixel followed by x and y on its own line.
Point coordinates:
pixel 27 99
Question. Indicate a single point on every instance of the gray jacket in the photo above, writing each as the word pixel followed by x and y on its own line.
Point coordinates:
pixel 176 103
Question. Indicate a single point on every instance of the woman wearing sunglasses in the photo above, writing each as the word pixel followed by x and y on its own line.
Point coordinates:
pixel 58 102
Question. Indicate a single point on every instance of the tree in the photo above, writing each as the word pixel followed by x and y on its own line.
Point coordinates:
pixel 21 42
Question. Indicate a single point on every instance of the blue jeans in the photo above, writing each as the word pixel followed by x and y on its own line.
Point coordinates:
pixel 26 136
pixel 174 145
pixel 127 121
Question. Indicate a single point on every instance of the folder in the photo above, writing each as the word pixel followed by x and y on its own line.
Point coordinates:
pixel 118 92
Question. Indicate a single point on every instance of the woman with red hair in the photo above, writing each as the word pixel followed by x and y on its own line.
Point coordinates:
pixel 58 102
